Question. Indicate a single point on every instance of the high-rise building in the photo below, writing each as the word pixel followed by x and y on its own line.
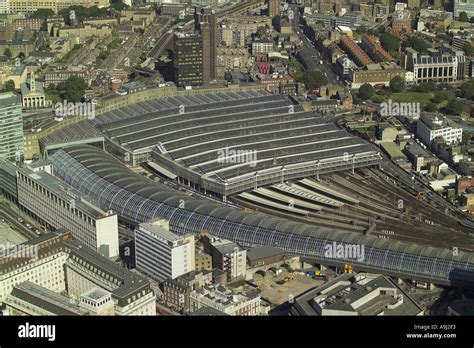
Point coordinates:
pixel 463 6
pixel 11 126
pixel 205 21
pixel 161 253
pixel 188 59
pixel 273 8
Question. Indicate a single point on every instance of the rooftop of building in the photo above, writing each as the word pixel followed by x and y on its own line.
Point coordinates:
pixel 436 121
pixel 126 284
pixel 9 98
pixel 95 294
pixel 156 229
pixel 26 88
pixel 64 191
pixel 45 299
pixel 221 295
pixel 392 149
pixel 207 311
pixel 258 253
pixel 343 292
pixel 416 150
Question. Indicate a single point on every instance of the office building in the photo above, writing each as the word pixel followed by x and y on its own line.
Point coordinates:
pixel 85 271
pixel 430 126
pixel 463 6
pixel 356 295
pixel 273 8
pixel 437 67
pixel 57 263
pixel 161 253
pixel 203 260
pixel 97 301
pixel 260 46
pixel 58 205
pixel 176 291
pixel 30 6
pixel 8 181
pixel 27 298
pixel 380 73
pixel 205 21
pixel 39 260
pixel 188 60
pixel 11 126
pixel 226 301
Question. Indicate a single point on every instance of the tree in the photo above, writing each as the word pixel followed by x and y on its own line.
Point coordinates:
pixel 276 22
pixel 455 107
pixel 390 43
pixel 314 79
pixel 43 13
pixel 430 107
pixel 397 84
pixel 9 86
pixel 417 44
pixel 463 17
pixel 469 50
pixel 467 89
pixel 366 91
pixel 377 99
pixel 119 5
pixel 75 88
pixel 8 52
pixel 424 87
pixel 439 97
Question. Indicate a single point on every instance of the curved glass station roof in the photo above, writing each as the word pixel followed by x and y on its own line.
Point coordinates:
pixel 106 182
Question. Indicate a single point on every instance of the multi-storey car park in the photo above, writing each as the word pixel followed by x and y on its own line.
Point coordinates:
pixel 110 184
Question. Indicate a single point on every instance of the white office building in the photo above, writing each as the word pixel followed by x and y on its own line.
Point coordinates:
pixel 11 126
pixel 436 66
pixel 463 6
pixel 430 126
pixel 58 205
pixel 162 254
